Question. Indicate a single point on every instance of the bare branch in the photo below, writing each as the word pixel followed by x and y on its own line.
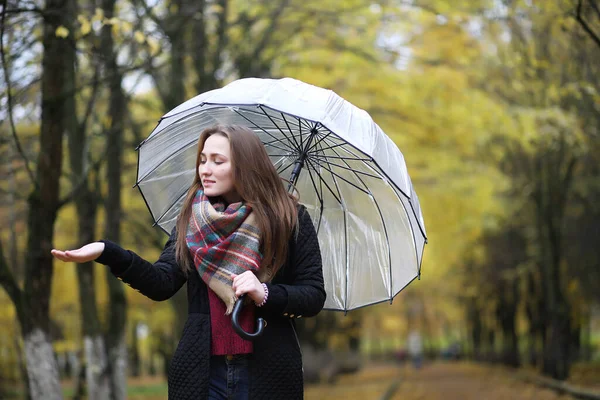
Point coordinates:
pixel 593 35
pixel 595 7
pixel 34 10
pixel 149 13
pixel 92 100
pixel 8 282
pixel 268 33
pixel 9 98
pixel 84 177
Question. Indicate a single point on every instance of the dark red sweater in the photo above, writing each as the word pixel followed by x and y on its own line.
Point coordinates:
pixel 224 339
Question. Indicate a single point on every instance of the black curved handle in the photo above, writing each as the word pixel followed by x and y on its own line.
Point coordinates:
pixel 260 323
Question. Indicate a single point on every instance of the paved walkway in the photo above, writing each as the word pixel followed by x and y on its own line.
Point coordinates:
pixel 438 381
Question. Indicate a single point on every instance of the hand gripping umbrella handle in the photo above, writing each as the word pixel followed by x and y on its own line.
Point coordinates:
pixel 260 323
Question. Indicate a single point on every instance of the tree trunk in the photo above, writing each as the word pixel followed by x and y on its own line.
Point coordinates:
pixel 135 354
pixel 554 175
pixel 507 317
pixel 116 338
pixel 98 383
pixel 86 206
pixel 535 311
pixel 42 367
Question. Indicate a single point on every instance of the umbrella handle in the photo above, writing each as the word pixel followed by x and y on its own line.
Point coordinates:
pixel 260 323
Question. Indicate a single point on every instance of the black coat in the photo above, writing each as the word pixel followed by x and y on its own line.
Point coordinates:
pixel 276 365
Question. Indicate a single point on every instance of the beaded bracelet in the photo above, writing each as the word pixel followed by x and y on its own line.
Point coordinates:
pixel 266 296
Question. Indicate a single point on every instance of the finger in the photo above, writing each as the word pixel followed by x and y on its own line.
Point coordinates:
pixel 239 280
pixel 240 290
pixel 247 287
pixel 248 274
pixel 59 257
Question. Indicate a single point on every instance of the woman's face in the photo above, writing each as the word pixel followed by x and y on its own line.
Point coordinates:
pixel 215 169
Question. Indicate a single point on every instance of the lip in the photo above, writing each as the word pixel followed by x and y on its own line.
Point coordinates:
pixel 208 182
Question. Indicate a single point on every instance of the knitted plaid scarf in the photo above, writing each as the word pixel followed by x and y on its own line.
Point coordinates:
pixel 223 241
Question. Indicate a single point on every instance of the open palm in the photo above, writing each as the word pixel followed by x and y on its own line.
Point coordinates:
pixel 89 252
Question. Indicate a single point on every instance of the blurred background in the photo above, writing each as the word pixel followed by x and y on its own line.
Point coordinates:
pixel 495 105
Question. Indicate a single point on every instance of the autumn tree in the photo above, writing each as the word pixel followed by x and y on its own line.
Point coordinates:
pixel 32 301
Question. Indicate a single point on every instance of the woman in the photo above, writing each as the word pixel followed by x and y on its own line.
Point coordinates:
pixel 239 233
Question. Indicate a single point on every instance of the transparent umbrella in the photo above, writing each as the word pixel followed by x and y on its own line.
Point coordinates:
pixel 350 175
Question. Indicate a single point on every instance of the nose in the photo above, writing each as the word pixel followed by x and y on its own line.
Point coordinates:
pixel 205 170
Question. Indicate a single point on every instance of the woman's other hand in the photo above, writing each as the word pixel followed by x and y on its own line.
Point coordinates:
pixel 89 252
pixel 248 283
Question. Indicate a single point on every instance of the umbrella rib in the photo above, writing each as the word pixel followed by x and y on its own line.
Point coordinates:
pixel 405 211
pixel 385 231
pixel 290 129
pixel 414 239
pixel 279 148
pixel 251 111
pixel 176 152
pixel 340 177
pixel 348 158
pixel 243 107
pixel 322 196
pixel 157 221
pixel 323 159
pixel 262 129
pixel 282 157
pixel 306 124
pixel 325 183
pixel 343 143
pixel 334 146
pixel 320 140
pixel 280 130
pixel 319 195
pixel 283 170
pixel 379 171
pixel 334 181
pixel 346 243
pixel 356 158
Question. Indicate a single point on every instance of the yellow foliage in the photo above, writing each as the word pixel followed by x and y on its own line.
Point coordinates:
pixel 139 37
pixel 61 32
pixel 98 15
pixel 111 21
pixel 86 26
pixel 154 46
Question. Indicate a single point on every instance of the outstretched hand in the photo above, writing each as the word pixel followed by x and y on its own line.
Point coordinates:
pixel 89 252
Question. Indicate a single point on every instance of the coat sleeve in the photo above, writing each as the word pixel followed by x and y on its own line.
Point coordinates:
pixel 305 295
pixel 158 281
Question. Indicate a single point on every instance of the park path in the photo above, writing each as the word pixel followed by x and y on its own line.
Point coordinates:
pixel 437 381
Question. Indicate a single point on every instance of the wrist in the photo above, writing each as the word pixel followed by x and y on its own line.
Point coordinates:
pixel 264 301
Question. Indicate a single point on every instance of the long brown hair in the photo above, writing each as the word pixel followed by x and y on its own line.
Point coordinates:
pixel 258 184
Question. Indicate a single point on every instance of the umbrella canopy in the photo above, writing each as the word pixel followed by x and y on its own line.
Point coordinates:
pixel 349 174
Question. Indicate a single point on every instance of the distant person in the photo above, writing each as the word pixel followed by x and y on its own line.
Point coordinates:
pixel 415 348
pixel 239 232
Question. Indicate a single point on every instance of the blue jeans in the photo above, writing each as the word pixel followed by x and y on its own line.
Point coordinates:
pixel 228 378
